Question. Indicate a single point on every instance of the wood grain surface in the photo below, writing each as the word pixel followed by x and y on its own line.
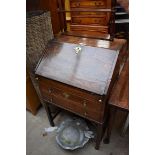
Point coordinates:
pixel 120 92
pixel 91 69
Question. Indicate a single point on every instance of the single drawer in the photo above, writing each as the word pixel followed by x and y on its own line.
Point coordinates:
pixel 67 100
pixel 91 29
pixel 90 21
pixel 48 92
pixel 90 14
pixel 77 107
pixel 89 4
pixel 48 84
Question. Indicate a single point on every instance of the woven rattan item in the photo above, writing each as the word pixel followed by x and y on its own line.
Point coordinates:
pixel 38 33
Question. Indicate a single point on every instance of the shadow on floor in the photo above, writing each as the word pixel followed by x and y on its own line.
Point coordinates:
pixel 37 144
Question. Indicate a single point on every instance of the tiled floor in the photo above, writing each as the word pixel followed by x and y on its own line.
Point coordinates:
pixel 46 145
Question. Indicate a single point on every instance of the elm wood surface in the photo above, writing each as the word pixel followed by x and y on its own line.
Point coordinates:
pixel 119 98
pixel 87 104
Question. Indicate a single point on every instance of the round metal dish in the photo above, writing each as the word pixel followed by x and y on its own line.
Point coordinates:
pixel 71 135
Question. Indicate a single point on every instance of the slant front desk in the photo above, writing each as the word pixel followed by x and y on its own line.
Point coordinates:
pixel 77 74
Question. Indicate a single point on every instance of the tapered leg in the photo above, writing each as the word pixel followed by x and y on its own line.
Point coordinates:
pixel 112 113
pixel 50 118
pixel 125 126
pixel 99 136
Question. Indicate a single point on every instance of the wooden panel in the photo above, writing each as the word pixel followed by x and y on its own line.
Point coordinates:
pixel 83 35
pixel 32 100
pixel 120 93
pixel 54 16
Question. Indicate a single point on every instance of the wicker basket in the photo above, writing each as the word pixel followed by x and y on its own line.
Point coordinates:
pixel 38 33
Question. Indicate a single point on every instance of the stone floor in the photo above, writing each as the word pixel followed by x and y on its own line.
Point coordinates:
pixel 46 145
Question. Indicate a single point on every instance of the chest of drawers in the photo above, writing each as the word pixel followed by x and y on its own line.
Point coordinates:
pixel 91 18
pixel 79 82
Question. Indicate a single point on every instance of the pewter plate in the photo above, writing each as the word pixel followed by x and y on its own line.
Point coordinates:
pixel 71 135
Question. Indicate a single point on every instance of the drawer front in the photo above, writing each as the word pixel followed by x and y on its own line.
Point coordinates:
pixel 89 20
pixel 71 102
pixel 91 14
pixel 89 4
pixel 43 82
pixel 90 29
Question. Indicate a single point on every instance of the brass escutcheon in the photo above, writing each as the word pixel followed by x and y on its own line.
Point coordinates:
pixel 100 100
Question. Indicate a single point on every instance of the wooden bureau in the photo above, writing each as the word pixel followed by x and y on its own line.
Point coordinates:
pixel 79 82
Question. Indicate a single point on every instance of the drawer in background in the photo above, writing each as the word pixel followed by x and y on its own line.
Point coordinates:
pixel 89 20
pixel 90 14
pixel 90 4
pixel 96 30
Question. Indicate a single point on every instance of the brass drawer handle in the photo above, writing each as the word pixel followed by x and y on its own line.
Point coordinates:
pixel 51 99
pixel 84 104
pixel 66 95
pixel 50 91
pixel 85 114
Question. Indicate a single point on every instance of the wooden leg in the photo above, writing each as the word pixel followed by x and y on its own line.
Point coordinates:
pixel 125 126
pixel 99 136
pixel 112 113
pixel 50 118
pixel 105 126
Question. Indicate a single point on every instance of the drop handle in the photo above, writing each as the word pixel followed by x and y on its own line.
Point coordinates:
pixel 84 104
pixel 66 95
pixel 50 91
